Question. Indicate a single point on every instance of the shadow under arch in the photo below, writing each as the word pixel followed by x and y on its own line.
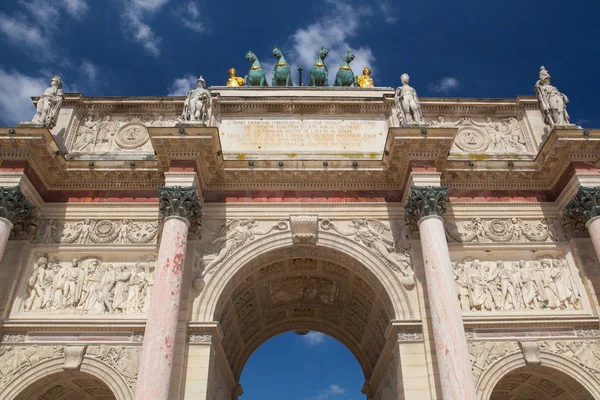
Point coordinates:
pixel 105 373
pixel 278 246
pixel 504 366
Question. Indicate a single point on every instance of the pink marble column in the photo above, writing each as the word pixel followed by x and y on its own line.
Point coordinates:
pixel 5 228
pixel 156 360
pixel 593 227
pixel 454 363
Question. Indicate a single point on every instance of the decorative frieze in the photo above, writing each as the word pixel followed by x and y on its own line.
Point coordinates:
pixel 542 285
pixel 200 337
pixel 410 336
pixel 88 286
pixel 508 230
pixel 99 231
pixel 425 201
pixel 584 206
pixel 13 337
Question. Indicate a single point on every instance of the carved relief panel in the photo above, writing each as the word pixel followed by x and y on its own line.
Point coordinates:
pixel 505 230
pixel 505 136
pixel 86 286
pixel 545 284
pixel 101 134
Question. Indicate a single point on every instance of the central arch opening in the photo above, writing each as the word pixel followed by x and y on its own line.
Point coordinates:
pixel 340 299
pixel 67 385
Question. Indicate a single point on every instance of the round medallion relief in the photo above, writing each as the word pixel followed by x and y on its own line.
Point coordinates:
pixel 132 136
pixel 471 139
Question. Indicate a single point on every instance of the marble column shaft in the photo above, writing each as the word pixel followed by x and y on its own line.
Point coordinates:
pixel 593 227
pixel 156 359
pixel 179 207
pixel 454 363
pixel 5 228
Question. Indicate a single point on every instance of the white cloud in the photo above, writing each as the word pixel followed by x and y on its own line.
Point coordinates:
pixel 133 21
pixel 22 33
pixel 339 24
pixel 331 392
pixel 386 10
pixel 89 71
pixel 76 8
pixel 313 338
pixel 181 86
pixel 17 89
pixel 190 17
pixel 444 85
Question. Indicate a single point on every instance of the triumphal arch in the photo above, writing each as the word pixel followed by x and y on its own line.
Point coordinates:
pixel 150 244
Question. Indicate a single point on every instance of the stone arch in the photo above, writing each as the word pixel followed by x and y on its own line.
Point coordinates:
pixel 99 370
pixel 280 245
pixel 514 362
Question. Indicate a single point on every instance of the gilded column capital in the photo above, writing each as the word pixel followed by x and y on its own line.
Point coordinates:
pixel 15 207
pixel 425 201
pixel 584 206
pixel 180 202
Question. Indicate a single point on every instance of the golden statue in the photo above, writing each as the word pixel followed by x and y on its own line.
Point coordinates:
pixel 365 79
pixel 234 80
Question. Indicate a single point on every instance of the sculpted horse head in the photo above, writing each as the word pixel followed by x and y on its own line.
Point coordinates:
pixel 250 56
pixel 323 53
pixel 349 56
pixel 277 52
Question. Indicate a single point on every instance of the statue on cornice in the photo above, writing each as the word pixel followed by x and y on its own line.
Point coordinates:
pixel 234 80
pixel 282 75
pixel 345 76
pixel 198 104
pixel 553 103
pixel 256 75
pixel 49 104
pixel 319 75
pixel 408 107
pixel 365 79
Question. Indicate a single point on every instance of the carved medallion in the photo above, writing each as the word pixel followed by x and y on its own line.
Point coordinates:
pixel 132 136
pixel 472 139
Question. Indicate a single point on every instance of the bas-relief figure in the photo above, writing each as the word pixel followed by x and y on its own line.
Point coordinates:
pixel 49 104
pixel 282 75
pixel 15 360
pixel 378 237
pixel 198 104
pixel 511 230
pixel 89 286
pixel 553 103
pixel 345 75
pixel 319 75
pixel 97 231
pixel 256 75
pixel 408 107
pixel 547 284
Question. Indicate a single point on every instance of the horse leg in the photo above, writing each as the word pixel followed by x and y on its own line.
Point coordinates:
pixel 288 80
pixel 326 79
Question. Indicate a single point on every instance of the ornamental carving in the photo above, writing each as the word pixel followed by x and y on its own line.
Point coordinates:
pixel 180 202
pixel 232 236
pixel 200 337
pixel 378 237
pixel 15 360
pixel 124 359
pixel 531 352
pixel 410 336
pixel 131 136
pixel 510 230
pixel 425 201
pixel 15 207
pixel 584 206
pixel 304 228
pixel 97 231
pixel 485 354
pixel 504 137
pixel 542 285
pixel 89 286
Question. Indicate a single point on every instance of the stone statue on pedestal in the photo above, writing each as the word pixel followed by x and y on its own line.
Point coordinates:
pixel 49 104
pixel 319 75
pixel 408 107
pixel 282 75
pixel 256 75
pixel 345 76
pixel 234 80
pixel 198 104
pixel 365 79
pixel 553 103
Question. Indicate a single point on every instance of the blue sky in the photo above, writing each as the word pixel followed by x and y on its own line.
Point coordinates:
pixel 311 367
pixel 157 47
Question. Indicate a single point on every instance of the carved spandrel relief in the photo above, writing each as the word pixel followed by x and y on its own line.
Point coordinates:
pixel 97 231
pixel 122 358
pixel 511 230
pixel 88 287
pixel 485 354
pixel 488 136
pixel 542 285
pixel 378 237
pixel 14 360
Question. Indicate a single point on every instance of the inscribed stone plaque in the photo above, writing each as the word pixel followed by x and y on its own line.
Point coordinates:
pixel 305 138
